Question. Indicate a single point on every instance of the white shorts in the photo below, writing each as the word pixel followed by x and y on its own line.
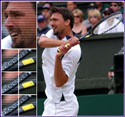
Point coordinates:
pixel 64 108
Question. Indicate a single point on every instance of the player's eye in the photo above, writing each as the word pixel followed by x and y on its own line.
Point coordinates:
pixel 17 14
pixel 5 15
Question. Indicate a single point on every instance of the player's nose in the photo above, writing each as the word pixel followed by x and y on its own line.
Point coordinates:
pixel 9 23
pixel 52 23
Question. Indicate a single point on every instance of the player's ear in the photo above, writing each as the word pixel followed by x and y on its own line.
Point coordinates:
pixel 67 22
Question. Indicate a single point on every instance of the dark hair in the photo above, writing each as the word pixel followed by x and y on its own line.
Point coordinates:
pixel 118 3
pixel 65 13
pixel 92 6
pixel 108 11
pixel 72 2
pixel 50 3
pixel 33 5
pixel 5 4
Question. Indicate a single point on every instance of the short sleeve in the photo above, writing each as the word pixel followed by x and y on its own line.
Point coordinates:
pixel 70 61
pixel 49 34
pixel 6 43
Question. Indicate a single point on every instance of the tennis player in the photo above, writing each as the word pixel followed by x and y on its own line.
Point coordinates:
pixel 60 69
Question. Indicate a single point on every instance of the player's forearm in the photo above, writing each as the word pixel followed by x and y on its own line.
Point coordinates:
pixel 48 42
pixel 59 74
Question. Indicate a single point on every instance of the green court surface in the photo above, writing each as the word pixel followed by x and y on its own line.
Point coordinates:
pixel 112 105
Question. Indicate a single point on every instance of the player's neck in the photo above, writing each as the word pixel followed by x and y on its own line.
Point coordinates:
pixel 67 32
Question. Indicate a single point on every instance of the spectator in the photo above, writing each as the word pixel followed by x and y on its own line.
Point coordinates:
pixel 107 12
pixel 94 17
pixel 112 87
pixel 42 26
pixel 101 6
pixel 21 24
pixel 48 4
pixel 45 12
pixel 78 27
pixel 86 22
pixel 118 28
pixel 95 5
pixel 116 6
pixel 71 5
pixel 92 6
pixel 116 73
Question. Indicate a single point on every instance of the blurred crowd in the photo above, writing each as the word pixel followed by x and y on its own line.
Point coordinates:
pixel 82 24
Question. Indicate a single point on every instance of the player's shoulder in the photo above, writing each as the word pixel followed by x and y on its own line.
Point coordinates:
pixel 74 54
pixel 7 37
pixel 6 42
pixel 50 34
pixel 76 50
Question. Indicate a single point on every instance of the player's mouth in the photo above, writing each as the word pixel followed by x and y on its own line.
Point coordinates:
pixel 54 28
pixel 14 35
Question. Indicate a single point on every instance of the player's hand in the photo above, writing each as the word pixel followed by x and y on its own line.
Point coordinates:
pixel 73 41
pixel 63 49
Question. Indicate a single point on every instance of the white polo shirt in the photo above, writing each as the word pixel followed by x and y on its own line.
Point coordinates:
pixel 6 42
pixel 70 63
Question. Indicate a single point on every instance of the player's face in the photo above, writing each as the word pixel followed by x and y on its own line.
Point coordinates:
pixel 21 24
pixel 58 24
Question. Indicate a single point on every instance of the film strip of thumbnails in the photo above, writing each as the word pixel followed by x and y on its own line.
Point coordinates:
pixel 19 82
